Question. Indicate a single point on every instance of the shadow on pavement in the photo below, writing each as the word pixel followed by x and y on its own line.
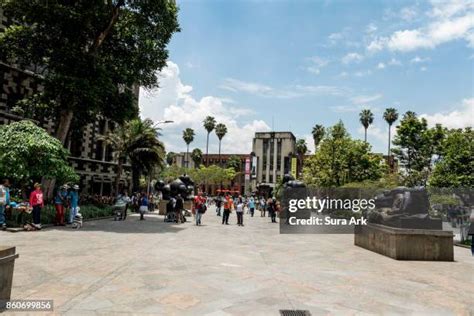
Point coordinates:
pixel 153 223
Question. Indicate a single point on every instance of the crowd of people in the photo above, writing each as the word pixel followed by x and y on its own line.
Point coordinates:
pixel 67 197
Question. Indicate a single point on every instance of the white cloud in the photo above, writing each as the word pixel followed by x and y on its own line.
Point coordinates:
pixel 380 66
pixel 287 92
pixel 423 68
pixel 448 21
pixel 374 131
pixel 316 63
pixel 418 60
pixel 173 101
pixel 394 62
pixel 363 73
pixel 371 28
pixel 362 99
pixel 408 13
pixel 459 118
pixel 352 58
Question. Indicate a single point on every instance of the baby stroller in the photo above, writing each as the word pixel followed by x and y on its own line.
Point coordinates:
pixel 120 207
pixel 170 213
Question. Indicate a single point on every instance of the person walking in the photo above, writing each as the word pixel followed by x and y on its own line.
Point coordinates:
pixel 59 203
pixel 199 206
pixel 239 209
pixel 251 206
pixel 143 206
pixel 228 206
pixel 178 209
pixel 74 203
pixel 37 203
pixel 263 207
pixel 4 202
pixel 218 204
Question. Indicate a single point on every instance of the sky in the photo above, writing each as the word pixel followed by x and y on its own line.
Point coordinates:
pixel 281 65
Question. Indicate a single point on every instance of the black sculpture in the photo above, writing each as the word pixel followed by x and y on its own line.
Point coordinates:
pixel 404 208
pixel 183 185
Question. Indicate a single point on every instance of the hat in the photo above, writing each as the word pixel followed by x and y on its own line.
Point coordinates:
pixel 75 187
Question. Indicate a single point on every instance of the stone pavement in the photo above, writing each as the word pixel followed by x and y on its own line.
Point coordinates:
pixel 156 268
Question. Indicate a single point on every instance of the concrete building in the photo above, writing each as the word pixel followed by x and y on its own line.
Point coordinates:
pixel 273 153
pixel 91 159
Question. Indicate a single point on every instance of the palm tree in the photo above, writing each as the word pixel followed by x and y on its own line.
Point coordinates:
pixel 301 150
pixel 366 118
pixel 318 134
pixel 188 137
pixel 138 141
pixel 196 156
pixel 390 116
pixel 209 125
pixel 221 130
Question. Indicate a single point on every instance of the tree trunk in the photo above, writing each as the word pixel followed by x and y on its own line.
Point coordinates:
pixel 187 156
pixel 365 134
pixel 389 155
pixel 135 179
pixel 207 150
pixel 65 119
pixel 119 173
pixel 220 162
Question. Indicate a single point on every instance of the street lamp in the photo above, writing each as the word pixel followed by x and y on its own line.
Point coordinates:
pixel 154 125
pixel 163 122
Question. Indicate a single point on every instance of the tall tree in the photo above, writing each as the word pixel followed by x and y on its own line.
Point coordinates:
pixel 390 116
pixel 209 125
pixel 89 55
pixel 416 147
pixel 455 168
pixel 188 137
pixel 221 130
pixel 28 152
pixel 137 141
pixel 301 150
pixel 366 118
pixel 318 134
pixel 196 156
pixel 341 160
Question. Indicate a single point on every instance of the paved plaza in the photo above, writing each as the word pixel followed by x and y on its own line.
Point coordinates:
pixel 156 268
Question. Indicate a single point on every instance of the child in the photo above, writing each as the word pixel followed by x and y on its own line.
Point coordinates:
pixel 143 206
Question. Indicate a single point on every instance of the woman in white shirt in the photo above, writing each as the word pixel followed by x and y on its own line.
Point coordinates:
pixel 239 209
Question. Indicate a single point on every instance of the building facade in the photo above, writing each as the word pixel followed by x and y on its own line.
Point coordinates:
pixel 273 152
pixel 91 159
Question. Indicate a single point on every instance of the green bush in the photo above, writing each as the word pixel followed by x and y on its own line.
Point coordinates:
pixel 48 215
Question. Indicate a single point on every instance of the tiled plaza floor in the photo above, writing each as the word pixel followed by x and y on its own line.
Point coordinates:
pixel 156 268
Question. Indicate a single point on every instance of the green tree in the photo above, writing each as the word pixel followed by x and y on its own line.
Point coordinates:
pixel 137 141
pixel 90 55
pixel 301 150
pixel 28 153
pixel 234 163
pixel 455 168
pixel 209 125
pixel 196 156
pixel 188 137
pixel 170 157
pixel 221 130
pixel 366 117
pixel 390 116
pixel 417 145
pixel 318 135
pixel 341 160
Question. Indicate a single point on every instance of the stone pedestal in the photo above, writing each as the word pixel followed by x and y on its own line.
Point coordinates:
pixel 162 206
pixel 7 263
pixel 406 244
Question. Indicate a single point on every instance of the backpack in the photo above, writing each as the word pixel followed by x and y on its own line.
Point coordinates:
pixel 3 195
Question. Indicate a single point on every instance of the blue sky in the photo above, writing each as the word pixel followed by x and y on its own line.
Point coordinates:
pixel 290 65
